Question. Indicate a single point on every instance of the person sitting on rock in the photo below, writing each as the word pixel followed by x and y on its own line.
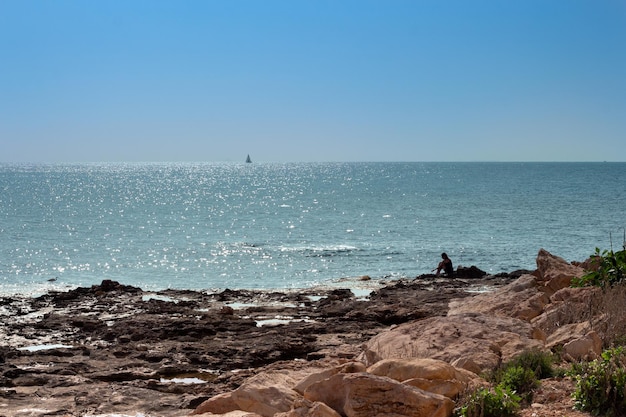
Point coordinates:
pixel 445 265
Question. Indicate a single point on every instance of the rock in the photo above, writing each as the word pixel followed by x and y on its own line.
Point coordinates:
pixel 448 388
pixel 427 374
pixel 125 344
pixel 327 373
pixel 567 333
pixel 366 395
pixel 305 408
pixel 469 272
pixel 522 299
pixel 475 342
pixel 526 297
pixel 588 347
pixel 577 341
pixel 227 310
pixel 266 393
pixel 555 272
pixel 403 369
pixel 567 306
pixel 220 404
pixel 583 295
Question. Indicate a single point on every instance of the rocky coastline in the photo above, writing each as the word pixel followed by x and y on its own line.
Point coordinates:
pixel 115 350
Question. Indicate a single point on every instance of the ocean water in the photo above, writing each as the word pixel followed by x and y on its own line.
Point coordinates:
pixel 279 226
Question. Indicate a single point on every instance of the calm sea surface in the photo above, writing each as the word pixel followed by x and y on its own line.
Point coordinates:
pixel 278 226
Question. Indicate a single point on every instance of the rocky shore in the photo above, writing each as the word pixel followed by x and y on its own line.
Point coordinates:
pixel 115 350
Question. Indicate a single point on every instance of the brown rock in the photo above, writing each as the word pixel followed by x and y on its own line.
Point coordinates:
pixel 366 395
pixel 403 369
pixel 475 342
pixel 523 299
pixel 220 404
pixel 577 341
pixel 266 393
pixel 305 408
pixel 567 306
pixel 556 272
pixel 427 374
pixel 587 347
pixel 314 377
pixel 567 333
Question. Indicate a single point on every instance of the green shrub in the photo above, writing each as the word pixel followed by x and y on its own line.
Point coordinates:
pixel 541 363
pixel 601 384
pixel 522 373
pixel 497 402
pixel 514 382
pixel 609 269
pixel 520 380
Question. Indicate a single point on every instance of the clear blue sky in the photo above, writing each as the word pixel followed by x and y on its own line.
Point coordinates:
pixel 312 80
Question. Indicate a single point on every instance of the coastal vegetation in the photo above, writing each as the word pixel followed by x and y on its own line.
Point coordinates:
pixel 601 384
pixel 498 401
pixel 513 385
pixel 608 268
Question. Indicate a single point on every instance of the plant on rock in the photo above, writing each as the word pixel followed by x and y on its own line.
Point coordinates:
pixel 500 401
pixel 514 384
pixel 520 380
pixel 601 384
pixel 609 269
pixel 522 373
pixel 541 363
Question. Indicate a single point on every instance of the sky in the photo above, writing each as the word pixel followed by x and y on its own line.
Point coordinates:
pixel 312 80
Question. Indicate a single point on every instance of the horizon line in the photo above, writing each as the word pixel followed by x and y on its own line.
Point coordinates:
pixel 298 162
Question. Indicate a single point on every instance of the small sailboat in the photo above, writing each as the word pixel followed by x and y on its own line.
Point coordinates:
pixel 248 160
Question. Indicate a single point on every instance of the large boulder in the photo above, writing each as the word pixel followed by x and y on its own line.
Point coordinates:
pixel 522 299
pixel 568 306
pixel 430 375
pixel 576 341
pixel 266 394
pixel 475 342
pixel 603 308
pixel 366 395
pixel 314 377
pixel 469 272
pixel 527 297
pixel 555 272
pixel 588 347
pixel 219 404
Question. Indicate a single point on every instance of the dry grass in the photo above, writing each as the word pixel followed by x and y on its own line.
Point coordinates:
pixel 609 315
pixel 602 309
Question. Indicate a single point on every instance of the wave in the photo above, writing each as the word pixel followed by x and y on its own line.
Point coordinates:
pixel 321 250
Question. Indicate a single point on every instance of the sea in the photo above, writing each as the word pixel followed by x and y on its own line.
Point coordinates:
pixel 278 226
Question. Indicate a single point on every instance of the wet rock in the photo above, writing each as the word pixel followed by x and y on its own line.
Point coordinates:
pixel 469 272
pixel 126 341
